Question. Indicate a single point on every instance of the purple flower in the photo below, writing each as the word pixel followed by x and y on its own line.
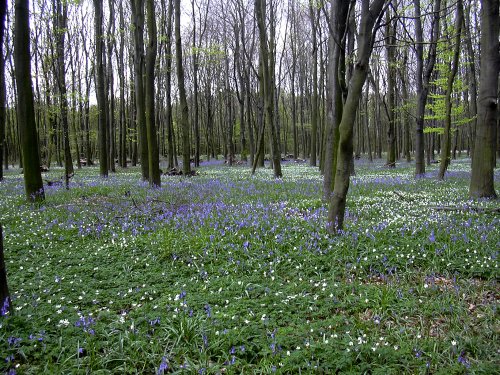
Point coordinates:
pixel 163 366
pixel 432 237
pixel 462 359
pixel 208 310
pixel 5 307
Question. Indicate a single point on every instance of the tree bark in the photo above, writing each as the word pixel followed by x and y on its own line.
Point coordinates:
pixel 184 115
pixel 3 90
pixel 482 181
pixel 423 78
pixel 153 153
pixel 446 146
pixel 140 100
pixel 60 32
pixel 168 94
pixel 391 87
pixel 338 25
pixel 5 301
pixel 25 105
pixel 100 89
pixel 314 104
pixel 267 83
pixel 370 16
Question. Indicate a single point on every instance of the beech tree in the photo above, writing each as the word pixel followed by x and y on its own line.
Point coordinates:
pixel 446 140
pixel 25 108
pixel 140 99
pixel 153 153
pixel 267 59
pixel 423 77
pixel 370 20
pixel 482 181
pixel 3 89
pixel 184 111
pixel 100 88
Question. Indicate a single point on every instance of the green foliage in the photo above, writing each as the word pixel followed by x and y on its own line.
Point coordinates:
pixel 229 273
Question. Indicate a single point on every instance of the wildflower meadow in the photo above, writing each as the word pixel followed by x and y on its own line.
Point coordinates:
pixel 229 273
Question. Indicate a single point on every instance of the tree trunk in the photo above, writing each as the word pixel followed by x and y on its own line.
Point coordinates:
pixel 60 32
pixel 471 81
pixel 370 15
pixel 314 112
pixel 140 99
pixel 391 87
pixel 100 89
pixel 168 94
pixel 153 153
pixel 338 18
pixel 267 83
pixel 446 146
pixel 3 90
pixel 25 106
pixel 5 301
pixel 423 78
pixel 482 183
pixel 184 116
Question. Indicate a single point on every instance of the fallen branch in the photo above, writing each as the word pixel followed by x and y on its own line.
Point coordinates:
pixel 465 209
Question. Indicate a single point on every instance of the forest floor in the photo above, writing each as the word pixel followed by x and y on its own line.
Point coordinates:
pixel 228 273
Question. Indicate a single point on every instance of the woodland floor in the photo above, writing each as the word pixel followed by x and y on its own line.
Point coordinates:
pixel 228 273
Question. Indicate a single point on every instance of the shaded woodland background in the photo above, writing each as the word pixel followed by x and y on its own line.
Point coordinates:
pixel 170 85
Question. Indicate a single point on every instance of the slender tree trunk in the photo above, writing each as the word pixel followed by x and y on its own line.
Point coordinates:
pixel 138 27
pixel 267 84
pixel 446 146
pixel 471 81
pixel 482 183
pixel 3 90
pixel 100 89
pixel 168 94
pixel 391 87
pixel 110 91
pixel 25 107
pixel 370 16
pixel 423 78
pixel 5 301
pixel 153 153
pixel 314 112
pixel 184 116
pixel 61 26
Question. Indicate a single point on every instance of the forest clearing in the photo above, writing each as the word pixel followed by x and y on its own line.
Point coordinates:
pixel 226 272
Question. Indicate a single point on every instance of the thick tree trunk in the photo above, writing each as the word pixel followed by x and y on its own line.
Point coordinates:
pixel 482 181
pixel 25 106
pixel 336 67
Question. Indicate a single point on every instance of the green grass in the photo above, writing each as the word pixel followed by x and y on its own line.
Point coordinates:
pixel 229 273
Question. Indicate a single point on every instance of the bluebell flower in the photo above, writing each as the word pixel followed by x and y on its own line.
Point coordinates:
pixel 163 366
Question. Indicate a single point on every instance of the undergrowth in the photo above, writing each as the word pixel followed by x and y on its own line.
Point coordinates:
pixel 229 273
